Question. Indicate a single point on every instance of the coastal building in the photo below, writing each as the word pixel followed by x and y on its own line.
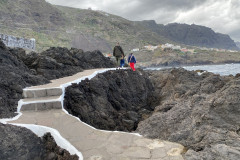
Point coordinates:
pixel 135 50
pixel 232 51
pixel 184 50
pixel 176 47
pixel 150 47
pixel 169 46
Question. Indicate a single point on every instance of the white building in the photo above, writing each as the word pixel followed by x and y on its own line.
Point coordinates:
pixel 167 45
pixel 135 50
pixel 176 47
pixel 150 47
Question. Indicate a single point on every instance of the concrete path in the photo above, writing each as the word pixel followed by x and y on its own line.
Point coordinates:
pixel 43 106
pixel 50 96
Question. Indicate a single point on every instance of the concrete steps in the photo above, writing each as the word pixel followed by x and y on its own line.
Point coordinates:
pixel 47 96
pixel 44 92
pixel 39 99
pixel 42 103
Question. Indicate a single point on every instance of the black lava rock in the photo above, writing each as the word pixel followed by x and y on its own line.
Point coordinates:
pixel 14 76
pixel 115 100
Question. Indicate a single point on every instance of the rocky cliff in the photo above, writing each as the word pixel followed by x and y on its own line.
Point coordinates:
pixel 193 35
pixel 196 35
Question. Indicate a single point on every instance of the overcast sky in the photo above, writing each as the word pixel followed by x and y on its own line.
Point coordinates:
pixel 221 15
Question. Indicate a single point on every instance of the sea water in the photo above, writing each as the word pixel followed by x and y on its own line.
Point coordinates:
pixel 223 69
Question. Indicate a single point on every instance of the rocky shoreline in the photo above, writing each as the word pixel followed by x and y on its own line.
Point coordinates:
pixel 199 111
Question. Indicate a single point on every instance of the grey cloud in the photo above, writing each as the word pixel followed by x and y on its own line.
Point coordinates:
pixel 222 16
pixel 162 10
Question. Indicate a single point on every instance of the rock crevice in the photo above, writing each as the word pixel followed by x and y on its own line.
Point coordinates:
pixel 115 100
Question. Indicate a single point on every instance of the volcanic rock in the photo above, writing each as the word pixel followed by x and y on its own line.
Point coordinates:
pixel 115 100
pixel 58 62
pixel 14 76
pixel 54 151
pixel 199 111
pixel 20 143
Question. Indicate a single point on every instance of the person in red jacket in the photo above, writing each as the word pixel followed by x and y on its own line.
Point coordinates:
pixel 132 61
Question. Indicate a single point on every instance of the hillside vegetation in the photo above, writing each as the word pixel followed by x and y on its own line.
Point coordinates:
pixel 68 27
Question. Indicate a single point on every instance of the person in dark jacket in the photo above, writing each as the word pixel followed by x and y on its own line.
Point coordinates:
pixel 122 62
pixel 132 61
pixel 118 53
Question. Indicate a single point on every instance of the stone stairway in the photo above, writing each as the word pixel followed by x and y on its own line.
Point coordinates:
pixel 41 103
pixel 42 98
pixel 42 106
pixel 49 96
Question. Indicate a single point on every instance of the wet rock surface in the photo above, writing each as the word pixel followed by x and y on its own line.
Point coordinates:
pixel 20 143
pixel 57 62
pixel 115 100
pixel 199 111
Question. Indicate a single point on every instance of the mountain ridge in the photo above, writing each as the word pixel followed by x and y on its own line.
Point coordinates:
pixel 194 35
pixel 53 25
